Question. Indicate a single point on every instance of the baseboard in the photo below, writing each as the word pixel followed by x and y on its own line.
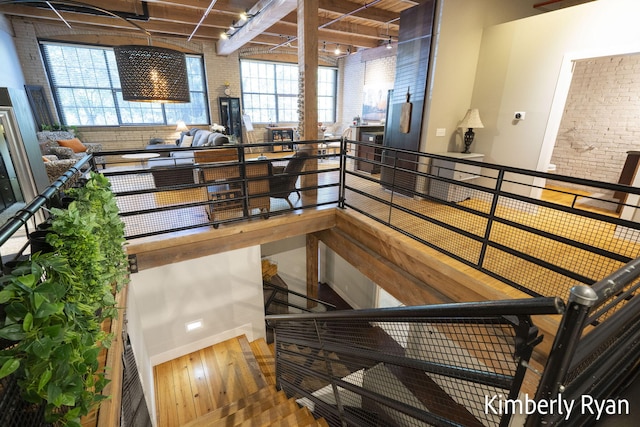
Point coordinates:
pixel 246 329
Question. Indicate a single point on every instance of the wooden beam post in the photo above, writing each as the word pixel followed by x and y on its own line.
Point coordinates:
pixel 308 85
pixel 312 269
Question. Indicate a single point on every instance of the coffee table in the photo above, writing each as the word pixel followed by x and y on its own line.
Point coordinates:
pixel 142 157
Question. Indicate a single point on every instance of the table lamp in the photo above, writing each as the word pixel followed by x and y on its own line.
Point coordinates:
pixel 471 120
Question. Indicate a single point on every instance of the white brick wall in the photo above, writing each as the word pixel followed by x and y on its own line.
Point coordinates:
pixel 601 121
pixel 355 73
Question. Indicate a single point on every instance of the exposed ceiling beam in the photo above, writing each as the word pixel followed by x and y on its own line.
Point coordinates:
pixel 267 17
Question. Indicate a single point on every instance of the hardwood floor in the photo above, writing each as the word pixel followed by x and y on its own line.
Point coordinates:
pixel 193 385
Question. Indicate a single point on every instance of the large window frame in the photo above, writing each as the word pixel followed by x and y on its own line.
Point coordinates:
pixel 86 90
pixel 270 92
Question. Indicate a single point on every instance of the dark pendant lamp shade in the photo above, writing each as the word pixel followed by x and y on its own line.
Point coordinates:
pixel 152 74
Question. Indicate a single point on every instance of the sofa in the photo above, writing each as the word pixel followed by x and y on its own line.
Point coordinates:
pixel 58 158
pixel 175 167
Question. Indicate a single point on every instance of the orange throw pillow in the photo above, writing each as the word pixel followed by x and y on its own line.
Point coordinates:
pixel 75 144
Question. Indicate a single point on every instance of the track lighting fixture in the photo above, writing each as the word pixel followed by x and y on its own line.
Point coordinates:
pixel 244 16
pixel 337 51
pixel 389 44
pixel 224 35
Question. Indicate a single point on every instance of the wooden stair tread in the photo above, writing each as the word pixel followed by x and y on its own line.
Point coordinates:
pixel 265 358
pixel 266 394
pixel 264 418
pixel 228 384
pixel 301 417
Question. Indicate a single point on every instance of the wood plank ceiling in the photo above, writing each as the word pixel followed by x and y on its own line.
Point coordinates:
pixel 353 24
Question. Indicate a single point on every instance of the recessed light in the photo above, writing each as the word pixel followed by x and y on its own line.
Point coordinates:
pixel 192 326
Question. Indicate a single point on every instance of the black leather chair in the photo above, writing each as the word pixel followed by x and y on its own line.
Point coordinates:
pixel 283 179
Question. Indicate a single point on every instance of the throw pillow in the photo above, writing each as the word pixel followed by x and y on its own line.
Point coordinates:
pixel 186 141
pixel 75 144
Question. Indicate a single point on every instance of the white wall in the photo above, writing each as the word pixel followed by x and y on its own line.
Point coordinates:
pixel 458 31
pixel 519 67
pixel 357 290
pixel 11 75
pixel 224 290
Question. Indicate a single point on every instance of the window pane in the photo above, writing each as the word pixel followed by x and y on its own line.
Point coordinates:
pixel 277 87
pixel 85 83
pixel 139 112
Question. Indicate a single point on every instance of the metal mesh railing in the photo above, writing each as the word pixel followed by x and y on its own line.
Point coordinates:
pixel 411 366
pixel 541 239
pixel 597 345
pixel 167 189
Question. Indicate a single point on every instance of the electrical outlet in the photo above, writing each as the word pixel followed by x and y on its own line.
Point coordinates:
pixel 519 115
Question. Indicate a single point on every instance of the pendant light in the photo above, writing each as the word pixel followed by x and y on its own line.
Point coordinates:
pixel 152 74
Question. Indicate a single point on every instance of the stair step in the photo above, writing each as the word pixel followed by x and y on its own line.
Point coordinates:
pixel 262 395
pixel 269 417
pixel 265 359
pixel 264 398
pixel 300 418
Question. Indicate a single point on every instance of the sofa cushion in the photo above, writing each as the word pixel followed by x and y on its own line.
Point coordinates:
pixel 62 152
pixel 74 143
pixel 217 139
pixel 200 138
pixel 186 141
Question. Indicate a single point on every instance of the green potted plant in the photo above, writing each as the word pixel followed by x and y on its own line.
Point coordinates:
pixel 54 305
pixel 56 340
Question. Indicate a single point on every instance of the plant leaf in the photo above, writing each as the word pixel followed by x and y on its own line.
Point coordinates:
pixel 44 379
pixel 9 367
pixel 12 332
pixel 5 296
pixel 47 309
pixel 28 322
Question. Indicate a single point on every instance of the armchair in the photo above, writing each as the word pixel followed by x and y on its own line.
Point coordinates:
pixel 61 158
pixel 283 179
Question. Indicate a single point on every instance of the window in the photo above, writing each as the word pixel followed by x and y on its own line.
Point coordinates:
pixel 270 92
pixel 86 89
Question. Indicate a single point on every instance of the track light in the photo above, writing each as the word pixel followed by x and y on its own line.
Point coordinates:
pixel 337 51
pixel 389 44
pixel 232 26
pixel 224 35
pixel 244 16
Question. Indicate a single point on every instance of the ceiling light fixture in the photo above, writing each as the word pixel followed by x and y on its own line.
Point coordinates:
pixel 389 44
pixel 337 51
pixel 245 15
pixel 152 74
pixel 224 35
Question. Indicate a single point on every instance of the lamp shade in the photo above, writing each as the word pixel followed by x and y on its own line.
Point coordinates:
pixel 471 119
pixel 152 74
pixel 181 126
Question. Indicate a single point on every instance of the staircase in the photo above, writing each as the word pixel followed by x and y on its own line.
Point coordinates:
pixel 229 384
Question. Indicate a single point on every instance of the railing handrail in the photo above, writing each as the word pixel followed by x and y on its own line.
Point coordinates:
pixel 17 221
pixel 298 294
pixel 614 282
pixel 506 168
pixel 514 307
